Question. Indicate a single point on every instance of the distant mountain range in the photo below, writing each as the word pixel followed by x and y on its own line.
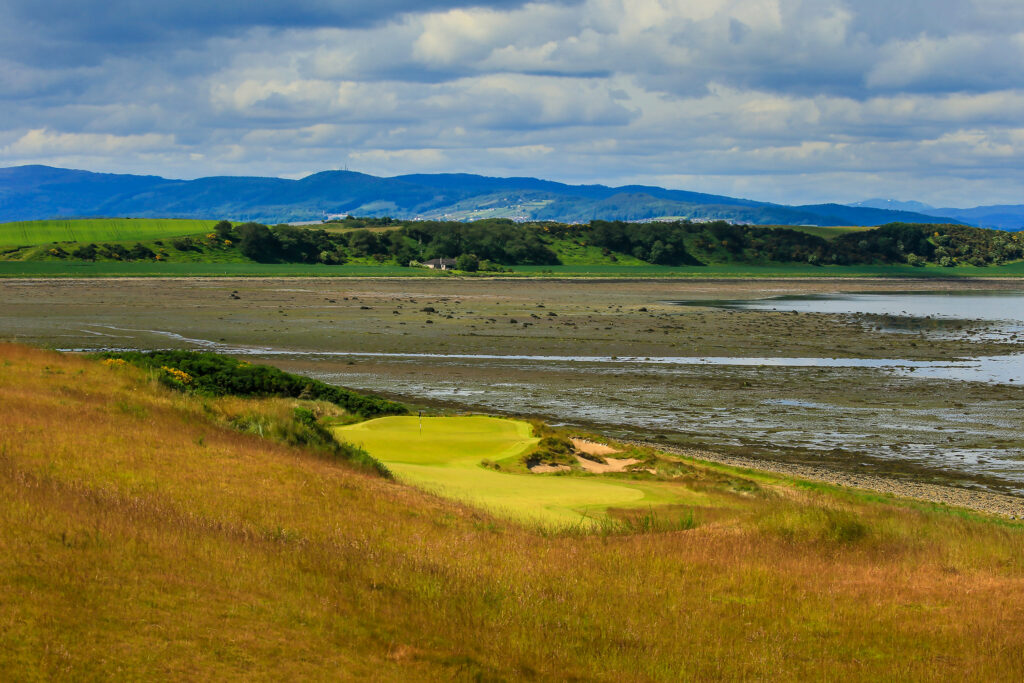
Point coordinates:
pixel 38 192
pixel 1002 216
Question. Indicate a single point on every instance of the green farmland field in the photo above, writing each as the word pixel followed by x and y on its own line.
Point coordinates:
pixel 446 459
pixel 31 233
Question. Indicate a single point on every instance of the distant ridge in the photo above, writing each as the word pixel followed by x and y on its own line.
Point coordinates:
pixel 1001 216
pixel 39 192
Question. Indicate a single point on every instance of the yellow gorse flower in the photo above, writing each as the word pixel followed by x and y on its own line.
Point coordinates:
pixel 179 375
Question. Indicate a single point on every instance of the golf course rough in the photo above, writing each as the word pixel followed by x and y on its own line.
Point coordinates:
pixel 445 458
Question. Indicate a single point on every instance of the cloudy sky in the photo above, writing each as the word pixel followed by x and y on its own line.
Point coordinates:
pixel 778 100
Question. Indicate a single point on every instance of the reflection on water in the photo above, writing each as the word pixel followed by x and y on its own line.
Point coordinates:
pixel 1003 310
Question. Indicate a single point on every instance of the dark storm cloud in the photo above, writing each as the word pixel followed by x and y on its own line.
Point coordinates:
pixel 77 32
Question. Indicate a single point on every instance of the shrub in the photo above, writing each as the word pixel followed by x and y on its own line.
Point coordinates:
pixel 302 429
pixel 553 450
pixel 216 375
pixel 140 251
pixel 86 252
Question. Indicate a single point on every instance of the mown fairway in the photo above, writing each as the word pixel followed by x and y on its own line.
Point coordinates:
pixel 446 459
pixel 30 233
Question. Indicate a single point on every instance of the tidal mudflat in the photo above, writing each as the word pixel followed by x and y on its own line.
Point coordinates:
pixel 890 394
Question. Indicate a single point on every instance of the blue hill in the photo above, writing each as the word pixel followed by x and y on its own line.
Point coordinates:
pixel 38 192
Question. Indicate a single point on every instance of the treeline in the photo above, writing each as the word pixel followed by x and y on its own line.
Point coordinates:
pixel 499 240
pixel 492 244
pixel 917 244
pixel 496 241
pixel 686 243
pixel 216 375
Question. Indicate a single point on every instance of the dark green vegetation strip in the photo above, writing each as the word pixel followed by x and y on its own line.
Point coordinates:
pixel 216 375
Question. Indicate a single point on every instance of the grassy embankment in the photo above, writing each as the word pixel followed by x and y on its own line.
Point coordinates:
pixel 142 537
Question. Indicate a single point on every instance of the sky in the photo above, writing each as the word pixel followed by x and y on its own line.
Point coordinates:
pixel 791 101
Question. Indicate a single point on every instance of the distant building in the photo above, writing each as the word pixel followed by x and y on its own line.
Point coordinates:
pixel 440 264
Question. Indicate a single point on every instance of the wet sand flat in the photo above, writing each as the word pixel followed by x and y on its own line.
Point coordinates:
pixel 857 420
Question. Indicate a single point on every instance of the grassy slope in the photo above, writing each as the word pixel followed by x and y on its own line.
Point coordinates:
pixel 85 230
pixel 827 231
pixel 139 539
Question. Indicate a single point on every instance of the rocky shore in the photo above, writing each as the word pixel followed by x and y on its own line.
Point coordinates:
pixel 981 501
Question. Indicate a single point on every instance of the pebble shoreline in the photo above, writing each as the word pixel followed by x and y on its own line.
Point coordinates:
pixel 982 501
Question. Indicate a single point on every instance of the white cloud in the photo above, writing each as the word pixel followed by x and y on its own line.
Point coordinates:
pixel 960 62
pixel 43 142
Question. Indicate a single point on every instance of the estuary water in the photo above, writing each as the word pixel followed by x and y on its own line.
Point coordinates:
pixel 935 313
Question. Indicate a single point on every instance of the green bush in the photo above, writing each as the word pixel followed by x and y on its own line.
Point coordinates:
pixel 303 430
pixel 216 375
pixel 551 450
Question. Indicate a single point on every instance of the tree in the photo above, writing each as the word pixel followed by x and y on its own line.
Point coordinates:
pixel 257 242
pixel 224 230
pixel 467 262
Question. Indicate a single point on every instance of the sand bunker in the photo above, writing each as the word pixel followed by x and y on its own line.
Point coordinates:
pixel 609 465
pixel 592 448
pixel 545 469
pixel 600 450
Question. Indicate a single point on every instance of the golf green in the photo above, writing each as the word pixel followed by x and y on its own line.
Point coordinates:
pixel 444 454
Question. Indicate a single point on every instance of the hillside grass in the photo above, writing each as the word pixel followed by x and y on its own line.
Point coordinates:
pixel 85 230
pixel 142 537
pixel 572 253
pixel 828 232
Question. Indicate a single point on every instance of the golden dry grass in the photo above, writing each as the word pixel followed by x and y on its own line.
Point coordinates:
pixel 140 538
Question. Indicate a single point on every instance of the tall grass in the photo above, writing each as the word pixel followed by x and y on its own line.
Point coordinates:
pixel 141 537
